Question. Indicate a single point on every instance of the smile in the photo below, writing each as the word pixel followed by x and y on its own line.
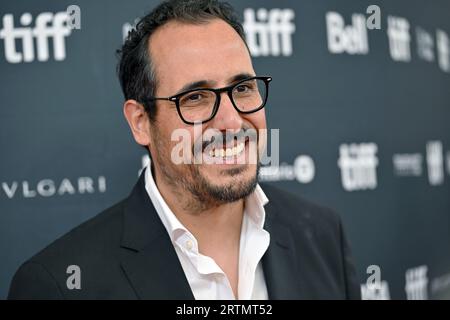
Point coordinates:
pixel 227 152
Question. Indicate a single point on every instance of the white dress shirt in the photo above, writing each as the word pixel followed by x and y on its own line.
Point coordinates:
pixel 206 279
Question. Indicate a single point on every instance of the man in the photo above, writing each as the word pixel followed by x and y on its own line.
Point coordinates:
pixel 201 228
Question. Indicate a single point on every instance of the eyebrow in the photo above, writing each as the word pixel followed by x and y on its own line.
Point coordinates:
pixel 210 83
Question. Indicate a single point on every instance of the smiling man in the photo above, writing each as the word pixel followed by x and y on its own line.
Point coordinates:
pixel 203 227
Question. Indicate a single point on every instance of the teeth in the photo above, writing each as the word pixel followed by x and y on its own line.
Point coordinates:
pixel 240 147
pixel 228 152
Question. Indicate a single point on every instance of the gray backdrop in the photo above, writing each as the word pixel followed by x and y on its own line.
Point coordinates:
pixel 364 119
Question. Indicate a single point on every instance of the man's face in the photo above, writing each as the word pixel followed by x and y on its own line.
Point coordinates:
pixel 212 52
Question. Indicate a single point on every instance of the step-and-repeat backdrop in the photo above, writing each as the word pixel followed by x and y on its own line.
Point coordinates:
pixel 361 95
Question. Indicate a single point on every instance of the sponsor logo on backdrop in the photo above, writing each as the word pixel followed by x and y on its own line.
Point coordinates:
pixel 49 28
pixel 351 39
pixel 440 287
pixel 50 187
pixel 411 165
pixel 269 31
pixel 407 164
pixel 435 163
pixel 399 39
pixel 443 50
pixel 416 286
pixel 426 47
pixel 425 44
pixel 303 170
pixel 358 164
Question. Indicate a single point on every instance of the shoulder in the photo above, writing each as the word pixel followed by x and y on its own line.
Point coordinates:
pixel 98 235
pixel 92 248
pixel 296 211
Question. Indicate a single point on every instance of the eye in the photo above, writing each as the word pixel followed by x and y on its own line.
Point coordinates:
pixel 194 97
pixel 242 88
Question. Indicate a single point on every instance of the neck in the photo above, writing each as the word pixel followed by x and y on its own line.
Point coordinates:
pixel 218 224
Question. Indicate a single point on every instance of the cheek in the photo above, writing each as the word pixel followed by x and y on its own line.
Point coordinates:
pixel 257 120
pixel 262 121
pixel 176 144
pixel 161 138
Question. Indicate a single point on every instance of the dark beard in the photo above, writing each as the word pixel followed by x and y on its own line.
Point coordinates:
pixel 204 194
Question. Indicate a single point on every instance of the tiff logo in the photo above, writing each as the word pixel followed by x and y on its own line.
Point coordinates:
pixel 48 26
pixel 425 45
pixel 272 34
pixel 358 163
pixel 399 39
pixel 416 283
pixel 435 163
pixel 443 50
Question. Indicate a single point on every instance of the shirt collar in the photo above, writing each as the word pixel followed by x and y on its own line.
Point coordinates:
pixel 173 226
pixel 254 206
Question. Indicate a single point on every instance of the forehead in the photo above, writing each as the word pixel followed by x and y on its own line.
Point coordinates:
pixel 184 52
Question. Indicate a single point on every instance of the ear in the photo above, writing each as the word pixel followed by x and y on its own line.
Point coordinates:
pixel 138 121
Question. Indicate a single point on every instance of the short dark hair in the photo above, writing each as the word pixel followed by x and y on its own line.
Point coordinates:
pixel 135 70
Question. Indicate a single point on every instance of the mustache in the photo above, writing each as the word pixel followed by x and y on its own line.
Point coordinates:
pixel 220 139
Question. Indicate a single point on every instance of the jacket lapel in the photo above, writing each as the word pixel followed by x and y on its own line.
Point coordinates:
pixel 280 262
pixel 149 259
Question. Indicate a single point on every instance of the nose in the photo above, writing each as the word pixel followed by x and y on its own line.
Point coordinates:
pixel 227 117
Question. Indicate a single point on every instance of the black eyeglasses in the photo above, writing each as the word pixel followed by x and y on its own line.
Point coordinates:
pixel 198 106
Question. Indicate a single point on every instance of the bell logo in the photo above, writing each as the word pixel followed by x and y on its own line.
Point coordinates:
pixel 47 26
pixel 272 34
pixel 351 39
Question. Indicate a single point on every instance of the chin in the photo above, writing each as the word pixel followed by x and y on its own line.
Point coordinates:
pixel 229 177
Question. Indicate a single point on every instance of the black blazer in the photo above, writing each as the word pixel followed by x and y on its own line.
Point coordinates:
pixel 126 253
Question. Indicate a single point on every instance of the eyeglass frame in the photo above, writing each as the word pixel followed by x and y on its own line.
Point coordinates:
pixel 229 89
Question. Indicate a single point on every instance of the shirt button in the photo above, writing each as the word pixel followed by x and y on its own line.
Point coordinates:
pixel 189 244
